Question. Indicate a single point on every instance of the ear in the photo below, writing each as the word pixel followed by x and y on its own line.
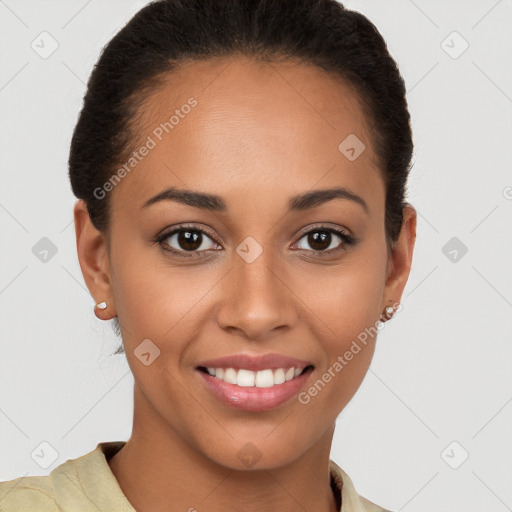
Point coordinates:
pixel 400 259
pixel 92 253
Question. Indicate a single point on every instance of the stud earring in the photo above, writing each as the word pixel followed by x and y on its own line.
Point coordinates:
pixel 101 305
pixel 388 313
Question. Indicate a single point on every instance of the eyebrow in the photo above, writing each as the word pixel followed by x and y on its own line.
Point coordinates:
pixel 215 203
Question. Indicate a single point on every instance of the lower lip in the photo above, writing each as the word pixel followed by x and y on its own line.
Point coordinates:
pixel 252 398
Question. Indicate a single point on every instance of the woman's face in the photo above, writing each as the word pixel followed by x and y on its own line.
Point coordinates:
pixel 257 274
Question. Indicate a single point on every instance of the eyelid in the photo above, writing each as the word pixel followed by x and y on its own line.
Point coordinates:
pixel 183 227
pixel 323 226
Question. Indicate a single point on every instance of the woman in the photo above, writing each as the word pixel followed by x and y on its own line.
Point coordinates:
pixel 241 169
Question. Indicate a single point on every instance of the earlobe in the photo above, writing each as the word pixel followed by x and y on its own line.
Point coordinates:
pixel 93 258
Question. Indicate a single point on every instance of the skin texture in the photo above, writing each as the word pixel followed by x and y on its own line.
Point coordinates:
pixel 260 133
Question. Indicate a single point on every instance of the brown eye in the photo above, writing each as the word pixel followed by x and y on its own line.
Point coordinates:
pixel 325 240
pixel 187 240
pixel 319 240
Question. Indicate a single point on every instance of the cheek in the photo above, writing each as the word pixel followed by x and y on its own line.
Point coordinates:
pixel 346 306
pixel 348 342
pixel 160 303
pixel 153 298
pixel 347 298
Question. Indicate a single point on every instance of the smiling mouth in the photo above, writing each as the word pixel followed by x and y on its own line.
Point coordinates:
pixel 266 378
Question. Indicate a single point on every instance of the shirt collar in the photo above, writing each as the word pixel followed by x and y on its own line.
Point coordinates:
pixel 350 500
pixel 114 499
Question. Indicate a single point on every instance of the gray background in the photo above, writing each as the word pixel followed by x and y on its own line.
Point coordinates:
pixel 439 387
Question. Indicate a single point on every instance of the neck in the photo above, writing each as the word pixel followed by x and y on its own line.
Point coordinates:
pixel 158 471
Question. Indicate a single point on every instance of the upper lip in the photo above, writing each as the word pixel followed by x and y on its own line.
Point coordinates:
pixel 255 363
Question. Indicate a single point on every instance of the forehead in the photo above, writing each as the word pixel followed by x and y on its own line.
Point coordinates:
pixel 253 123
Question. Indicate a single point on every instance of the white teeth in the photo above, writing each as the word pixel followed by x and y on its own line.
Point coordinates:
pixel 229 376
pixel 245 378
pixel 279 376
pixel 264 379
pixel 260 379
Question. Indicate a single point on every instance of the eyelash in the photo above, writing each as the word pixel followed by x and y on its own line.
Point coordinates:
pixel 347 240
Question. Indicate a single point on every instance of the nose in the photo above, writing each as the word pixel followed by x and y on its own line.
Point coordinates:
pixel 257 301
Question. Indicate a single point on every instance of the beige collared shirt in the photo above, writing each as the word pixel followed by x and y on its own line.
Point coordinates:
pixel 87 484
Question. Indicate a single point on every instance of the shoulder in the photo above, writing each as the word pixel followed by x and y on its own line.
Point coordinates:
pixel 27 493
pixel 80 484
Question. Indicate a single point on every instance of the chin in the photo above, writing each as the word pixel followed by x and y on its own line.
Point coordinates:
pixel 257 453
